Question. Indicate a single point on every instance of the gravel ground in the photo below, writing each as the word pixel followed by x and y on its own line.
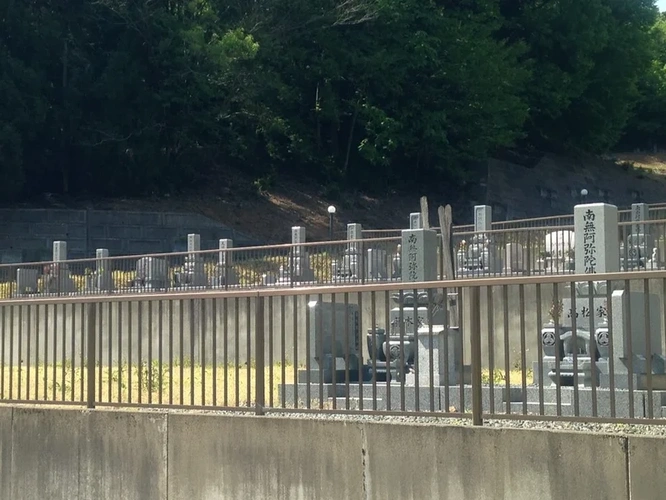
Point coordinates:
pixel 596 427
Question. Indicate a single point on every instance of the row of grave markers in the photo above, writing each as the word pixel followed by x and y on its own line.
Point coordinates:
pixel 596 230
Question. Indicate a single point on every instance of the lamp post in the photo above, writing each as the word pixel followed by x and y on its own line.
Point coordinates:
pixel 331 213
pixel 583 195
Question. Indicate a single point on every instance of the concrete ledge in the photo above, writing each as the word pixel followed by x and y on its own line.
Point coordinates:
pixel 75 454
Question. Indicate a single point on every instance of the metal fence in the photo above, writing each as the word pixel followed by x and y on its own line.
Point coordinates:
pixel 306 264
pixel 656 211
pixel 499 252
pixel 545 347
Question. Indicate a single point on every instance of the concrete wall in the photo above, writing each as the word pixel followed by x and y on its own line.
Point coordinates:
pixel 198 329
pixel 72 454
pixel 551 185
pixel 27 235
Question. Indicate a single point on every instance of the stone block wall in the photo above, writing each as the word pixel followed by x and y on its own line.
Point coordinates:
pixel 27 235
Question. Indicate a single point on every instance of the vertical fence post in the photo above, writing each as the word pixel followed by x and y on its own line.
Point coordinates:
pixel 260 396
pixel 475 340
pixel 90 358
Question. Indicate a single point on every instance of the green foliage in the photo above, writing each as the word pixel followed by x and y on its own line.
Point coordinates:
pixel 120 97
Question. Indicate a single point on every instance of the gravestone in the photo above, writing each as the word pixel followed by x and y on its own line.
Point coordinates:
pixel 26 281
pixel 483 218
pixel 225 274
pixel 478 257
pixel 628 340
pixel 515 258
pixel 597 251
pixel 349 267
pixel 420 246
pixel 297 269
pixel 637 248
pixel 415 220
pixel 102 279
pixel 57 276
pixel 377 264
pixel 597 238
pixel 335 343
pixel 151 273
pixel 193 273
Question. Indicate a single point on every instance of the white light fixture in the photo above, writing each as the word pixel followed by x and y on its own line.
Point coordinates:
pixel 331 209
pixel 583 192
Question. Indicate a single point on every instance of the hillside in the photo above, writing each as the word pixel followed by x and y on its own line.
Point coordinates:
pixel 234 201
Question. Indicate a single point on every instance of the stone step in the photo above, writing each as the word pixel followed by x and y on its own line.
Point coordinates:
pixel 549 409
pixel 354 403
pixel 549 394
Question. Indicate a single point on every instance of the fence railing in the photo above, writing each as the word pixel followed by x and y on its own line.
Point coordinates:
pixel 656 211
pixel 543 347
pixel 495 253
pixel 306 264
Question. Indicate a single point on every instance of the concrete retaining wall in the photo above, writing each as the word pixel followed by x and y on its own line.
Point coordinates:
pixel 27 235
pixel 197 329
pixel 73 454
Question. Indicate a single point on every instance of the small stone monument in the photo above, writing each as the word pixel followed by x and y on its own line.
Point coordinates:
pixel 335 343
pixel 515 258
pixel 349 268
pixel 483 218
pixel 151 274
pixel 415 220
pixel 639 245
pixel 57 276
pixel 102 279
pixel 225 273
pixel 192 273
pixel 625 333
pixel 297 269
pixel 377 264
pixel 480 255
pixel 26 281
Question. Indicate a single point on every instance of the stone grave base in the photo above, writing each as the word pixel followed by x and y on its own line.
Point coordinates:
pixel 394 397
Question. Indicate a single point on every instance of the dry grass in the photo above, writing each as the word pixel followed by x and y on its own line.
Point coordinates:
pixel 515 377
pixel 182 384
pixel 249 273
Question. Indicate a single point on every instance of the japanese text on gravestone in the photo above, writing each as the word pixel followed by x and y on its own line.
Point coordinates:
pixel 589 243
pixel 412 257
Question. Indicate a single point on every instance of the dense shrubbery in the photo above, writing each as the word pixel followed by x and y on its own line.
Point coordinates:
pixel 124 97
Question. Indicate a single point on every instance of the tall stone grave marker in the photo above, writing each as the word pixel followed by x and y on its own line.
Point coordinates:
pixel 483 218
pixel 59 278
pixel 224 271
pixel 349 267
pixel 419 246
pixel 596 238
pixel 354 233
pixel 298 267
pixel 103 279
pixel 193 272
